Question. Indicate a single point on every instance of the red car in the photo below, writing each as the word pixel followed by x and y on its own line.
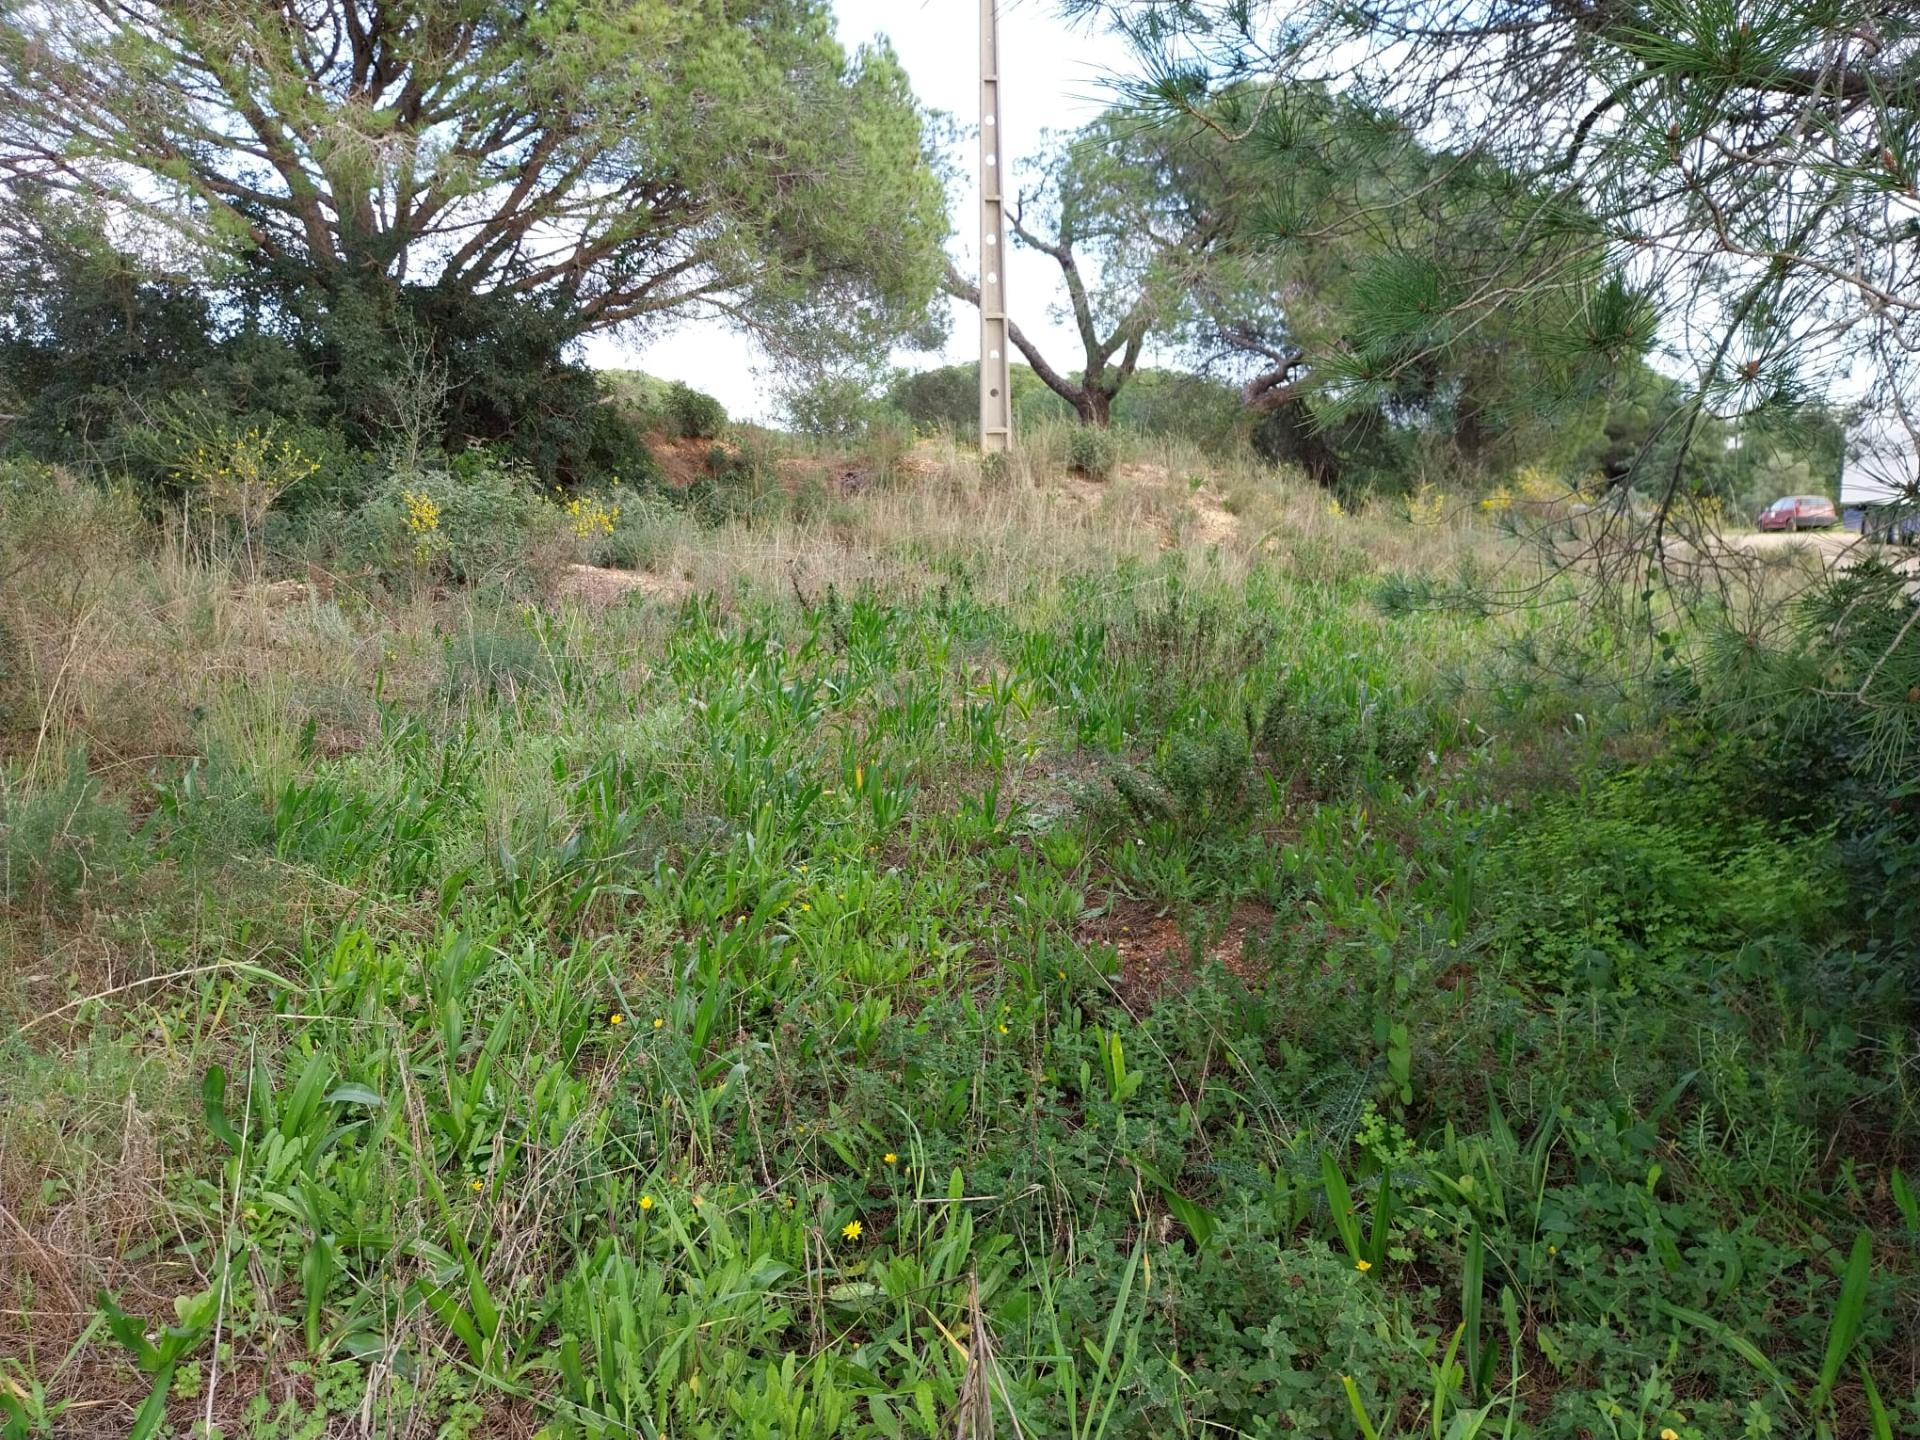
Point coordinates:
pixel 1799 512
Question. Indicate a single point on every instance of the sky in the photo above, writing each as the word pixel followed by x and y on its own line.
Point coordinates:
pixel 1051 79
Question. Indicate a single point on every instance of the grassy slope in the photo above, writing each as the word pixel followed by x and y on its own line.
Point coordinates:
pixel 499 1012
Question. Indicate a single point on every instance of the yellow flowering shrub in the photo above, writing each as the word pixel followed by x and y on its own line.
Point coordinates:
pixel 423 524
pixel 590 519
pixel 1427 505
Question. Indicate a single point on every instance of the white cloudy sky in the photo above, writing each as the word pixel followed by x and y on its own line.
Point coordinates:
pixel 1051 79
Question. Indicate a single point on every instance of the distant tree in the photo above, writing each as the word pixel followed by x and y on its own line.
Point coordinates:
pixel 1100 210
pixel 506 177
pixel 1754 170
pixel 1313 250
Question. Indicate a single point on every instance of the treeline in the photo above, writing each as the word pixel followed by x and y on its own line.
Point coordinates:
pixel 400 250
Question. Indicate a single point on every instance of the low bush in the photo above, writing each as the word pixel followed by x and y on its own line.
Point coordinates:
pixel 695 415
pixel 62 842
pixel 1092 452
pixel 1329 740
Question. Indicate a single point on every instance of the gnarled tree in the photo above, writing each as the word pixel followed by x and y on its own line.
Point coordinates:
pixel 1104 201
pixel 386 165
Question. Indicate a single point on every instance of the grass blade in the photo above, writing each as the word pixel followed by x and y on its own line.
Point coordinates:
pixel 1340 1202
pixel 1846 1319
pixel 1734 1341
pixel 1473 1285
pixel 213 1101
pixel 1359 1410
pixel 1909 1207
pixel 1876 1410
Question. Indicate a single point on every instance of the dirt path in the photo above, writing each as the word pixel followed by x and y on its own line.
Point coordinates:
pixel 1834 549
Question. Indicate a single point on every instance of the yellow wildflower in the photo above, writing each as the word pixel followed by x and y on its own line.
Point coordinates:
pixel 646 1202
pixel 1364 1266
pixel 658 1022
pixel 891 1158
pixel 478 1186
pixel 852 1230
pixel 616 1019
pixel 1669 1434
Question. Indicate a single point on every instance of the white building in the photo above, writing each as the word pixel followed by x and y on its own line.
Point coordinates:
pixel 1880 479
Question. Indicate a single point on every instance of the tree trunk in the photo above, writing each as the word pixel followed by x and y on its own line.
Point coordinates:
pixel 1288 436
pixel 1095 407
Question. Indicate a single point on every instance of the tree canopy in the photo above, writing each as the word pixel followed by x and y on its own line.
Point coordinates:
pixel 347 172
pixel 1751 170
pixel 1315 251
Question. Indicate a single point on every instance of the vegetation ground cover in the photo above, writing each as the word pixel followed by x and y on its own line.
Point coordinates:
pixel 978 946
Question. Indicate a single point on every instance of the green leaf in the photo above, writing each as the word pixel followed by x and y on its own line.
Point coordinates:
pixel 1473 1285
pixel 1876 1409
pixel 1201 1223
pixel 1845 1328
pixel 1340 1202
pixel 1382 1220
pixel 129 1332
pixel 153 1413
pixel 354 1093
pixel 213 1101
pixel 570 1370
pixel 1359 1410
pixel 456 1319
pixel 1734 1341
pixel 1909 1207
pixel 196 1312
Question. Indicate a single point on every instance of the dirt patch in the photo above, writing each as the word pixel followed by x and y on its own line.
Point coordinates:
pixel 599 588
pixel 1213 523
pixel 279 592
pixel 1156 959
pixel 682 462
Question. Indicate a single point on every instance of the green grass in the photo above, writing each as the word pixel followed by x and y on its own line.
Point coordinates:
pixel 1130 998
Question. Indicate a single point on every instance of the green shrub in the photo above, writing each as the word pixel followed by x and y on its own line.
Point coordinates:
pixel 1092 452
pixel 695 414
pixel 838 409
pixel 1605 889
pixel 494 659
pixel 637 537
pixel 467 522
pixel 1330 741
pixel 948 399
pixel 58 844
pixel 1188 407
pixel 1199 785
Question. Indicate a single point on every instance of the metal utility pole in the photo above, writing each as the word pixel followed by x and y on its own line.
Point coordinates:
pixel 996 393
